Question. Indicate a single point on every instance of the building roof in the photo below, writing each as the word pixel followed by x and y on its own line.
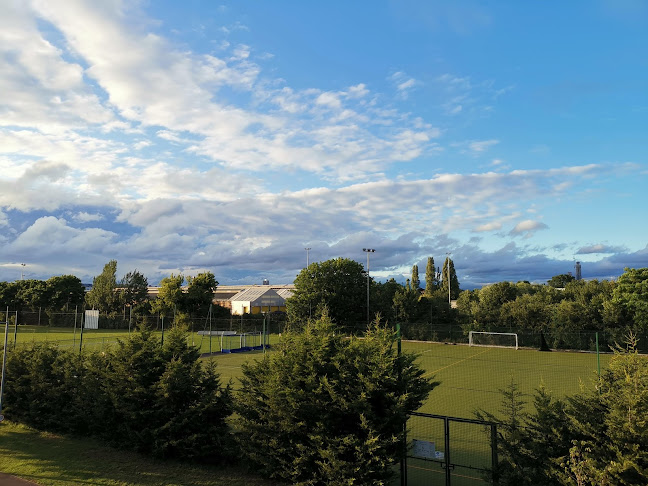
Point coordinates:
pixel 254 294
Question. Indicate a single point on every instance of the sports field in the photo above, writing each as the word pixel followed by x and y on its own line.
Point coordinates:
pixel 470 379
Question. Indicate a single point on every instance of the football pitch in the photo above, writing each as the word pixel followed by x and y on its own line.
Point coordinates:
pixel 470 379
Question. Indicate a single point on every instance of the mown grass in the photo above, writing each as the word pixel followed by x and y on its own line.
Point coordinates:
pixel 470 379
pixel 55 460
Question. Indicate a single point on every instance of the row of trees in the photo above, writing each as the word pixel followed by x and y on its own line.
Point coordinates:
pixel 579 305
pixel 340 285
pixel 113 297
pixel 321 410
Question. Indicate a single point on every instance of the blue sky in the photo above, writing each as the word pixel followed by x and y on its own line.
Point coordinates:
pixel 192 136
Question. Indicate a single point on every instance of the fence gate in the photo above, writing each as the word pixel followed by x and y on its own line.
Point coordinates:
pixel 450 451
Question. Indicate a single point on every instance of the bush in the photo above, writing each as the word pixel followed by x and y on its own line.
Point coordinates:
pixel 140 395
pixel 325 409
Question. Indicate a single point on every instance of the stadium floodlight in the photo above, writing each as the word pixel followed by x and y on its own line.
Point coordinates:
pixel 368 251
pixel 493 339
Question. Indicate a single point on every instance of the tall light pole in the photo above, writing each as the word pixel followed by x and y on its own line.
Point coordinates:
pixel 310 308
pixel 22 271
pixel 449 280
pixel 368 251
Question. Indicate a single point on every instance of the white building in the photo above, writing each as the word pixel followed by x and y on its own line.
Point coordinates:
pixel 259 299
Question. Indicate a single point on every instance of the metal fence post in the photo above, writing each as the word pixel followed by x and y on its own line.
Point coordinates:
pixel 403 463
pixel 446 429
pixel 494 458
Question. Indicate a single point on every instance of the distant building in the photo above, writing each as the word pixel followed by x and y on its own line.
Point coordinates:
pixel 577 267
pixel 257 300
pixel 224 293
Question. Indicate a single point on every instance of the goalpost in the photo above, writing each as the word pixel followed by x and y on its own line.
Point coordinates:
pixel 493 339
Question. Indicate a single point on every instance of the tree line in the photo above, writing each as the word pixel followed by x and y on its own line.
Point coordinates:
pixel 113 298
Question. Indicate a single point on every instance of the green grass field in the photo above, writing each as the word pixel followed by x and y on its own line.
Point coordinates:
pixel 470 376
pixel 55 460
pixel 470 379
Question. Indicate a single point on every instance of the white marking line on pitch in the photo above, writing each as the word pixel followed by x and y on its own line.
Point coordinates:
pixel 456 362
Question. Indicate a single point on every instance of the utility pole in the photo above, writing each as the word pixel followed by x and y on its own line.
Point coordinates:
pixel 368 251
pixel 449 280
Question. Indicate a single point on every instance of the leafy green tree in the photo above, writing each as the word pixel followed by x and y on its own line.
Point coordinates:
pixel 382 299
pixel 169 297
pixel 133 290
pixel 8 292
pixel 31 294
pixel 333 408
pixel 416 282
pixel 64 291
pixel 431 280
pixel 406 305
pixel 448 265
pixel 487 314
pixel 631 295
pixel 339 285
pixel 560 281
pixel 103 295
pixel 200 293
pixel 531 311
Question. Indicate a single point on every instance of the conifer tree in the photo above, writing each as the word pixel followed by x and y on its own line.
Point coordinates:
pixel 431 281
pixel 416 282
pixel 454 282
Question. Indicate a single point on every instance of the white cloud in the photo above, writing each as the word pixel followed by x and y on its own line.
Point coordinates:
pixel 403 83
pixel 478 146
pixel 600 248
pixel 492 226
pixel 528 227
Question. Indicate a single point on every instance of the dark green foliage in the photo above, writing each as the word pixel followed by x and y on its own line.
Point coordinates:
pixel 141 395
pixel 631 296
pixel 416 282
pixel 133 291
pixel 200 293
pixel 169 296
pixel 431 280
pixel 339 285
pixel 382 299
pixel 560 281
pixel 102 296
pixel 31 294
pixel 448 266
pixel 64 291
pixel 327 410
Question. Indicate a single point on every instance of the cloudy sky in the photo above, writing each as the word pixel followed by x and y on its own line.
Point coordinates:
pixel 192 136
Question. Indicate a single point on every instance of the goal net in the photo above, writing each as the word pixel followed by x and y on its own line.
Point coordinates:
pixel 493 339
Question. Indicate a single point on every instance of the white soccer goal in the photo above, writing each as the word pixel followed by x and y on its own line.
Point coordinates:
pixel 493 339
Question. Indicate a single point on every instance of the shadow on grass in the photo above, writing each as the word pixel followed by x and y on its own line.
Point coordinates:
pixel 51 459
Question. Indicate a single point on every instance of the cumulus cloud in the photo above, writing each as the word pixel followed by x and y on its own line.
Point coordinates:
pixel 528 227
pixel 600 248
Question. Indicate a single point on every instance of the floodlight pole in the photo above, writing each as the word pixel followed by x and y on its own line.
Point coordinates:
pixel 449 280
pixel 368 251
pixel 310 310
pixel 22 271
pixel 4 361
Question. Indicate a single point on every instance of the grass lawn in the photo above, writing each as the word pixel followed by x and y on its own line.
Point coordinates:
pixel 55 460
